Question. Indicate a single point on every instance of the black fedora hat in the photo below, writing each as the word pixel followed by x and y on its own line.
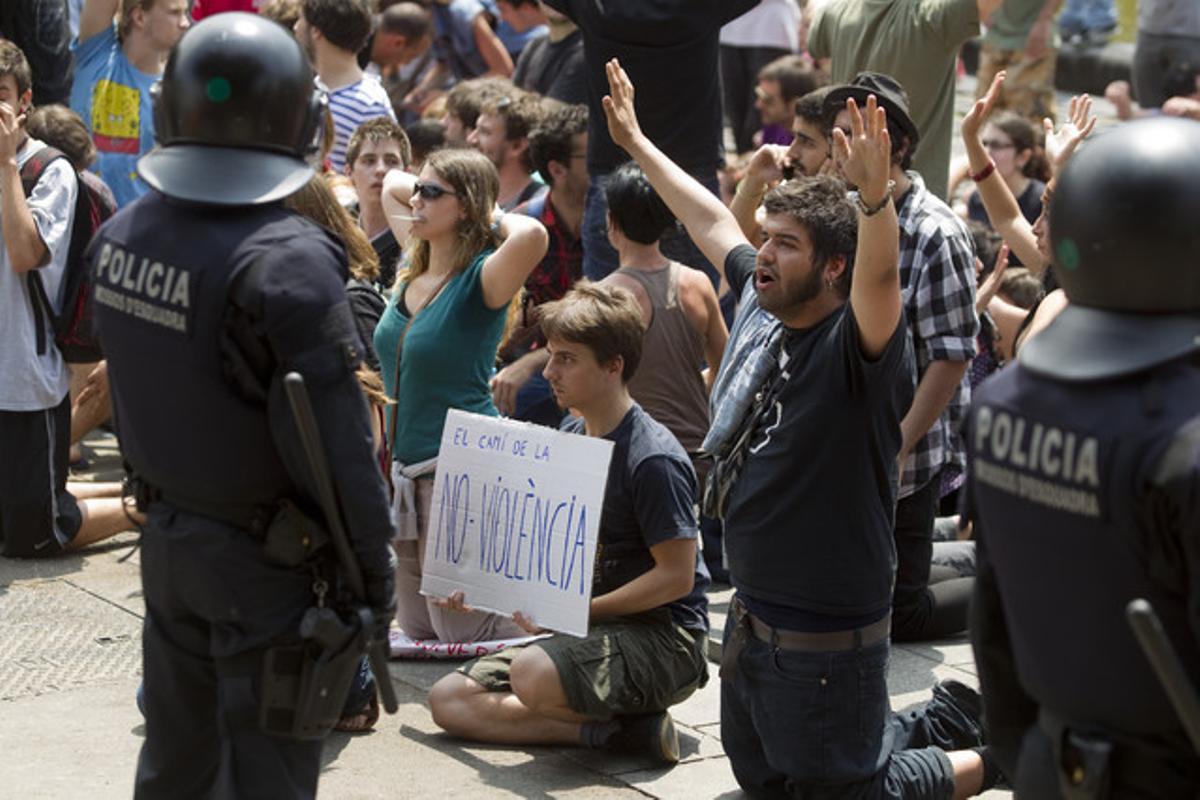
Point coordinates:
pixel 888 93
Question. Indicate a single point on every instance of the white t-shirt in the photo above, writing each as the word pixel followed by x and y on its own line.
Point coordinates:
pixel 772 23
pixel 29 382
pixel 351 106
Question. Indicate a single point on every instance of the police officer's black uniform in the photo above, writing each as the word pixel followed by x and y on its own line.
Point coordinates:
pixel 206 292
pixel 1084 484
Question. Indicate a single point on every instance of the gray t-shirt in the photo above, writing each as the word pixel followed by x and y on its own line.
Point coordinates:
pixel 1169 17
pixel 32 382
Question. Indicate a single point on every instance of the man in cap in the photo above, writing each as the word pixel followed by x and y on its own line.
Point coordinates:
pixel 937 280
pixel 1085 463
pixel 207 291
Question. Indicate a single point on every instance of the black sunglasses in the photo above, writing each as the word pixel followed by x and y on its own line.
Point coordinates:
pixel 429 191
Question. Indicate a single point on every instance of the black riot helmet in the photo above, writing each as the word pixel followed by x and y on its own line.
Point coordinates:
pixel 1125 235
pixel 235 114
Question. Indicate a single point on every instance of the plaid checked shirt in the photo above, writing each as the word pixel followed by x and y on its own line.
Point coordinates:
pixel 937 276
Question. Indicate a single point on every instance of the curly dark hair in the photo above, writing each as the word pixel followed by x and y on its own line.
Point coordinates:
pixel 551 139
pixel 822 206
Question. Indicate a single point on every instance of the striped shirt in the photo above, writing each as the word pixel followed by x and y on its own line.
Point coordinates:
pixel 350 107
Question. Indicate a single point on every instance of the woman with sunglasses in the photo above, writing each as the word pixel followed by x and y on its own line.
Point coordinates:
pixel 437 344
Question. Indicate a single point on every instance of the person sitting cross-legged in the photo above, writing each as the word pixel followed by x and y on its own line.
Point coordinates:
pixel 645 648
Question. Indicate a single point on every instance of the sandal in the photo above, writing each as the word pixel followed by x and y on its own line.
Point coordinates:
pixel 363 721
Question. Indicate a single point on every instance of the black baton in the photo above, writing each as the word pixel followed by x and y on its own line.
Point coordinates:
pixel 1148 629
pixel 310 437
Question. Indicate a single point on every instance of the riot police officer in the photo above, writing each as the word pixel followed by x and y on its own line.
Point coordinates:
pixel 1085 466
pixel 206 292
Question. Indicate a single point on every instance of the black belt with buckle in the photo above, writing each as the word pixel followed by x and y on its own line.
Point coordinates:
pixel 820 642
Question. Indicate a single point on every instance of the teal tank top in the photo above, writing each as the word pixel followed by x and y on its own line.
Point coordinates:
pixel 449 354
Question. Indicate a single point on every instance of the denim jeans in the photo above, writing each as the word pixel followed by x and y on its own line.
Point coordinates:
pixel 820 725
pixel 1080 16
pixel 599 257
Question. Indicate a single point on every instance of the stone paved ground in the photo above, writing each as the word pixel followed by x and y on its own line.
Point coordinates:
pixel 70 663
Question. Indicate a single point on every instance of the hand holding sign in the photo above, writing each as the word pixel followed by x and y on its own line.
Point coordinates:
pixel 514 521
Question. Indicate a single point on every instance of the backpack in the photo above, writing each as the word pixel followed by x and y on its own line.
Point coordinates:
pixel 73 333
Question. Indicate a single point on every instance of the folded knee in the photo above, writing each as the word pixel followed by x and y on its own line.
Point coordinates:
pixel 534 679
pixel 448 703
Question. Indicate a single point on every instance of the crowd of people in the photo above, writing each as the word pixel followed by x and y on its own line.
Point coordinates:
pixel 728 237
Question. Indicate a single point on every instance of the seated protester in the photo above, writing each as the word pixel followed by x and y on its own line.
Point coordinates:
pixel 520 22
pixel 399 52
pixel 39 514
pixel 1012 142
pixel 501 133
pixel 780 84
pixel 464 46
pixel 557 146
pixel 685 330
pixel 553 64
pixel 116 64
pixel 645 648
pixel 62 129
pixel 425 136
pixel 375 148
pixel 463 103
pixel 317 201
pixel 332 32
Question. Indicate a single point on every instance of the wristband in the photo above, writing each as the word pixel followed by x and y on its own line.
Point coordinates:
pixel 870 211
pixel 985 172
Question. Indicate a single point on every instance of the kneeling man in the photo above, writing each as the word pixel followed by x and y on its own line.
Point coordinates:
pixel 645 650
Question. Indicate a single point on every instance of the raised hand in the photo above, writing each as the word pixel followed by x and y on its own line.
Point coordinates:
pixel 1061 144
pixel 973 122
pixel 623 124
pixel 12 126
pixel 767 163
pixel 865 158
pixel 991 285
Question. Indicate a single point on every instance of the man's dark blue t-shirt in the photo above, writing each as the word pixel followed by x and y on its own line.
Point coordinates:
pixel 808 528
pixel 649 499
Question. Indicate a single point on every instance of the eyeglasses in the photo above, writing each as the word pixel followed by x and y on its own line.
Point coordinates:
pixel 995 144
pixel 430 191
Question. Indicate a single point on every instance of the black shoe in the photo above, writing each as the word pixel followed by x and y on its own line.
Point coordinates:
pixel 648 734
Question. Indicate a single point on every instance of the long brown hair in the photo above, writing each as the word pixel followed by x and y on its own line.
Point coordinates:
pixel 473 178
pixel 316 201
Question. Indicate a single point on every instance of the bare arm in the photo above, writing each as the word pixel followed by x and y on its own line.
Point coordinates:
pixel 96 16
pixel 26 250
pixel 765 168
pixel 1042 30
pixel 865 159
pixel 671 577
pixel 716 335
pixel 709 223
pixel 523 243
pixel 506 383
pixel 498 61
pixel 934 392
pixel 1002 209
pixel 397 202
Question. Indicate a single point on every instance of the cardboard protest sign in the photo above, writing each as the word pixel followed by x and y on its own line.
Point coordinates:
pixel 515 517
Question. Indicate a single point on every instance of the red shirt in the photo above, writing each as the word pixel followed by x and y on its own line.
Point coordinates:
pixel 206 8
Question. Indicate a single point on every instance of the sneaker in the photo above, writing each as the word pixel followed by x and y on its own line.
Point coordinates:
pixel 648 734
